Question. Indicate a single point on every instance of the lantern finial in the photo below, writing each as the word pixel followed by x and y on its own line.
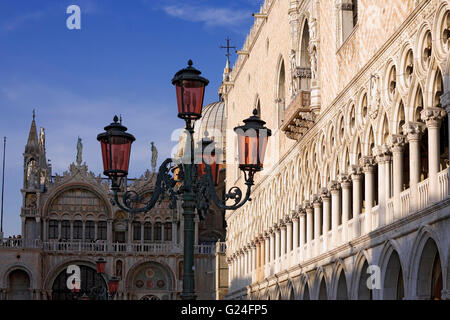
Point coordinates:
pixel 255 112
pixel 190 63
pixel 116 119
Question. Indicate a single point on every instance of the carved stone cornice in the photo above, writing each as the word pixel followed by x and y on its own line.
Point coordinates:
pixel 413 130
pixel 433 116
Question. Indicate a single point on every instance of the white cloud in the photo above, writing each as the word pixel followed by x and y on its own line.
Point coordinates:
pixel 16 22
pixel 210 16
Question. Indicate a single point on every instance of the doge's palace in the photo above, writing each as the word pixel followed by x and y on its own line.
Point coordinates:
pixel 355 182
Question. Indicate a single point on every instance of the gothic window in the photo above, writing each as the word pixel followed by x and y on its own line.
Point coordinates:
pixel 147 231
pixel 281 93
pixel 305 61
pixel 65 230
pixel 136 231
pixel 90 230
pixel 158 232
pixel 347 19
pixel 101 232
pixel 168 231
pixel 78 230
pixel 53 229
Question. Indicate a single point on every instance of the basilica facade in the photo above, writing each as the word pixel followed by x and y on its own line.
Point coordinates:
pixel 69 219
pixel 353 201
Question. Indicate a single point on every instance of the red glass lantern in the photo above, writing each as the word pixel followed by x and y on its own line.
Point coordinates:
pixel 113 284
pixel 252 143
pixel 207 152
pixel 100 265
pixel 190 90
pixel 116 149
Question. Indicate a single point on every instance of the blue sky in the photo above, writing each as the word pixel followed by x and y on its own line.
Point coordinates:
pixel 120 62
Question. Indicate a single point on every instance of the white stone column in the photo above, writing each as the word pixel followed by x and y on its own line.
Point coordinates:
pixel 272 244
pixel 445 102
pixel 266 248
pixel 433 118
pixel 356 198
pixel 309 228
pixel 294 230
pixel 382 158
pixel 254 257
pixel 317 205
pixel 413 131
pixel 368 164
pixel 335 190
pixel 346 185
pixel 283 238
pixel 174 234
pixel 109 231
pixel 397 145
pixel 326 213
pixel 302 215
pixel 288 235
pixel 277 241
pixel 196 220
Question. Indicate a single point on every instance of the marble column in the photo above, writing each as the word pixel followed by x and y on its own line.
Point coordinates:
pixel 414 131
pixel 368 165
pixel 283 238
pixel 295 230
pixel 346 185
pixel 356 174
pixel 326 214
pixel 288 222
pixel 267 248
pixel 433 118
pixel 317 208
pixel 382 158
pixel 277 241
pixel 309 222
pixel 335 190
pixel 397 145
pixel 302 214
pixel 272 245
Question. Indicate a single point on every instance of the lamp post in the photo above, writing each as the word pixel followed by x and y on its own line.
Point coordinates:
pixel 195 182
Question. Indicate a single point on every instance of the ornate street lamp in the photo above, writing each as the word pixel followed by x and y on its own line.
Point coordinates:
pixel 100 265
pixel 194 182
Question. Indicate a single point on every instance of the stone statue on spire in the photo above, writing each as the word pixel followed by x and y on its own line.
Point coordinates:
pixel 154 156
pixel 79 151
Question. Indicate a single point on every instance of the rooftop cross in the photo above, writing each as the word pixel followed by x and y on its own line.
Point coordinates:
pixel 228 47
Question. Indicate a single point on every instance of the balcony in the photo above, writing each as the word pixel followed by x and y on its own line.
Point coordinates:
pixel 298 117
pixel 92 247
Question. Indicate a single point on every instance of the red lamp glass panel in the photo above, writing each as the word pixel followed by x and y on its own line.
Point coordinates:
pixel 100 266
pixel 116 155
pixel 211 160
pixel 252 148
pixel 113 285
pixel 190 98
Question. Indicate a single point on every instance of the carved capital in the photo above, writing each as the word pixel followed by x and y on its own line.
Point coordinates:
pixel 433 116
pixel 294 214
pixel 301 212
pixel 287 219
pixel 397 143
pixel 325 194
pixel 334 186
pixel 367 163
pixel 413 130
pixel 355 172
pixel 345 180
pixel 316 201
pixel 307 205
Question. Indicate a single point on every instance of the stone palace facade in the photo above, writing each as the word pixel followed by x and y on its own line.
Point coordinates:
pixel 355 181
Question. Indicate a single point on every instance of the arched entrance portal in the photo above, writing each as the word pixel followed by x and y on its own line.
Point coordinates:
pixel 393 281
pixel 19 285
pixel 89 281
pixel 151 280
pixel 429 285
